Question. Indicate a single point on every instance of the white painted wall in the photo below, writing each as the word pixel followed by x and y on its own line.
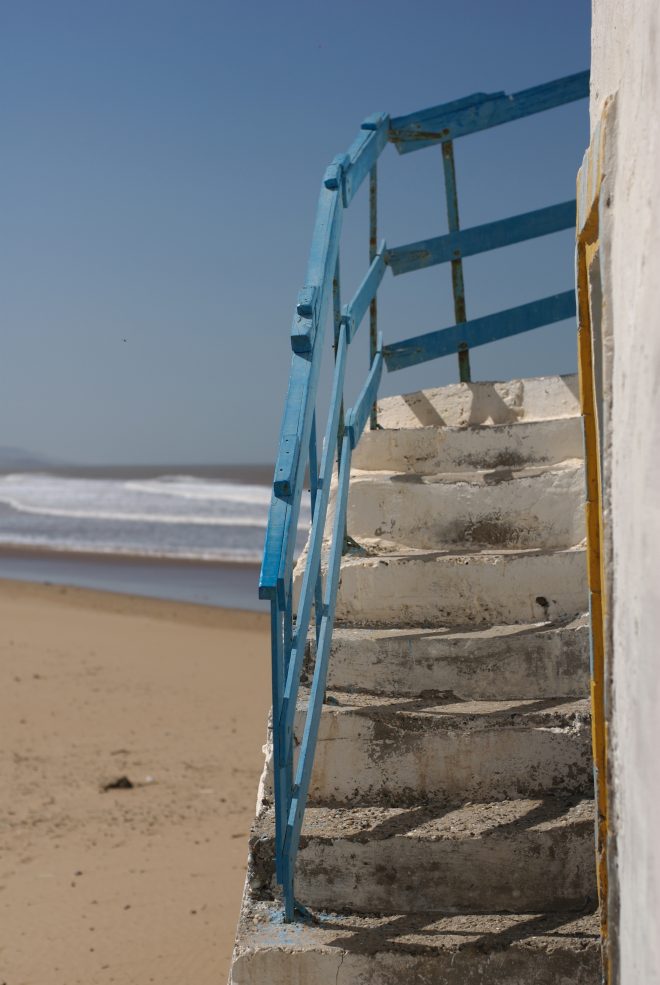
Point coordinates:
pixel 626 62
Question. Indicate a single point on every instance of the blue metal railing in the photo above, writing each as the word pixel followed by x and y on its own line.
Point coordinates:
pixel 298 451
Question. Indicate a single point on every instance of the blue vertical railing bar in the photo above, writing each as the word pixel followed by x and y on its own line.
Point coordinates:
pixel 315 703
pixel 373 306
pixel 298 452
pixel 354 312
pixel 312 567
pixel 280 784
pixel 314 479
pixel 357 417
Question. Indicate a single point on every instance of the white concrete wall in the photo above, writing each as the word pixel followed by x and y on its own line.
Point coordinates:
pixel 626 63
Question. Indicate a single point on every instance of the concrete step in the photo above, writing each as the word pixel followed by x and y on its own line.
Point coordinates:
pixel 375 750
pixel 501 663
pixel 483 949
pixel 533 507
pixel 467 404
pixel 513 856
pixel 481 588
pixel 429 450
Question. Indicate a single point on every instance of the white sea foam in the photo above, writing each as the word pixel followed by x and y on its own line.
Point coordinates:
pixel 171 516
pixel 126 517
pixel 234 556
pixel 201 490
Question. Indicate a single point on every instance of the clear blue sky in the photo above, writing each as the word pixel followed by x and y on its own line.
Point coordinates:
pixel 160 167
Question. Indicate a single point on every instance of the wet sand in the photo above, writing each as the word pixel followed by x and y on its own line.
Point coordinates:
pixel 137 885
pixel 231 586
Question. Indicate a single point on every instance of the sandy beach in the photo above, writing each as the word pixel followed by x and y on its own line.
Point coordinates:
pixel 139 884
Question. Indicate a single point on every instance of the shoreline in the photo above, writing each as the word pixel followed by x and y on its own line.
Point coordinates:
pixel 140 884
pixel 217 584
pixel 25 550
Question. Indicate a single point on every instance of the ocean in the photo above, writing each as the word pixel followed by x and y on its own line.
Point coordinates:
pixel 185 536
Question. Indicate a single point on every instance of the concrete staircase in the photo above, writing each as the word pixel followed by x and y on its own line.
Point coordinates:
pixel 450 832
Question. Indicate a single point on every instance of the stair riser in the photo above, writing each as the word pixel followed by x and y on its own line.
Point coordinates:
pixel 547 664
pixel 428 451
pixel 545 510
pixel 469 590
pixel 360 761
pixel 467 966
pixel 539 871
pixel 449 766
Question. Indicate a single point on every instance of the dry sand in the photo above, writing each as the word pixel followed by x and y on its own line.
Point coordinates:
pixel 135 885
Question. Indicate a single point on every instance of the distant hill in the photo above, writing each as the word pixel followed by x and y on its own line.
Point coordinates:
pixel 19 460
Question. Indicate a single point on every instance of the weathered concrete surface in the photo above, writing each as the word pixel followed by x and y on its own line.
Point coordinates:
pixel 483 588
pixel 429 450
pixel 625 66
pixel 505 662
pixel 453 767
pixel 470 404
pixel 390 751
pixel 539 507
pixel 498 949
pixel 520 856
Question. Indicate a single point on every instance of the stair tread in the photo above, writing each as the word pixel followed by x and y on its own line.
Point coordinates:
pixel 477 477
pixel 404 552
pixel 522 422
pixel 498 819
pixel 438 711
pixel 452 635
pixel 418 933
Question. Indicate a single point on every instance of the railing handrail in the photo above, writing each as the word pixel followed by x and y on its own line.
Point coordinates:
pixel 298 449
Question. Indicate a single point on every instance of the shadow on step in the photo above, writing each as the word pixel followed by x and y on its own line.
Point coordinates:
pixel 447 704
pixel 508 632
pixel 484 933
pixel 498 818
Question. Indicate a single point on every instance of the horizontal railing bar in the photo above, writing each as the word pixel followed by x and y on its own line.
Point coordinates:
pixel 288 706
pixel 480 331
pixel 481 111
pixel 480 239
pixel 355 311
pixel 317 692
pixel 357 417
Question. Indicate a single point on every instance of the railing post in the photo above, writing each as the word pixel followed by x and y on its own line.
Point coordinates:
pixel 336 322
pixel 313 491
pixel 458 288
pixel 337 315
pixel 280 787
pixel 373 307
